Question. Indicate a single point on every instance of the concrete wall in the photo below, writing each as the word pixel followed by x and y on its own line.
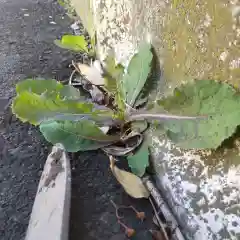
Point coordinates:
pixel 196 39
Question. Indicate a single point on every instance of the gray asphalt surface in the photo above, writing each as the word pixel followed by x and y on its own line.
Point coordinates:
pixel 26 36
pixel 27 31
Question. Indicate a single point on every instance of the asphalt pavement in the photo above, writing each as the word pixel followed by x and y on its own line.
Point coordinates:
pixel 27 31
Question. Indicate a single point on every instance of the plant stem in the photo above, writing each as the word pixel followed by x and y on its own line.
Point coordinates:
pixel 160 116
pixel 116 209
pixel 71 76
pixel 122 224
pixel 159 221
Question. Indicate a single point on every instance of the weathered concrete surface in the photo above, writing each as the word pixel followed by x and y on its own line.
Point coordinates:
pixel 205 46
pixel 193 39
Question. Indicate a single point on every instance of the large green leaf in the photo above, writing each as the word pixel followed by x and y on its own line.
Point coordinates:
pixel 113 69
pixel 74 43
pixel 48 88
pixel 219 101
pixel 38 86
pixel 138 70
pixel 76 136
pixel 71 93
pixel 112 76
pixel 139 160
pixel 49 99
pixel 35 108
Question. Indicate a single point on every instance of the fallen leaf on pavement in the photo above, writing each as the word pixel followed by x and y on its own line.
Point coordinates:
pixel 131 183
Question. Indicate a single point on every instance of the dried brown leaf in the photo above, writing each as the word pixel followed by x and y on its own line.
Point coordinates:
pixel 92 73
pixel 132 184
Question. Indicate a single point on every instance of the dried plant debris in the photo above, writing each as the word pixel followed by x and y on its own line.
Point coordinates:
pixel 131 183
pixel 130 232
pixel 92 73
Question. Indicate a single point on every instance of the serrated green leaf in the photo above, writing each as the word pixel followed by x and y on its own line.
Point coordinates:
pixel 38 86
pixel 48 87
pixel 139 160
pixel 74 43
pixel 50 100
pixel 35 108
pixel 114 74
pixel 219 101
pixel 116 71
pixel 110 85
pixel 76 136
pixel 138 70
pixel 71 93
pixel 151 87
